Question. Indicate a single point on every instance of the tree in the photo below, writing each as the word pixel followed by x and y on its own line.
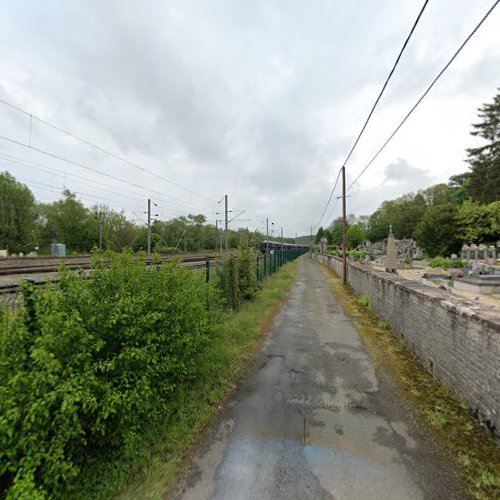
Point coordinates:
pixel 17 215
pixel 355 235
pixel 437 232
pixel 72 223
pixel 378 226
pixel 336 232
pixel 320 234
pixel 484 160
pixel 479 223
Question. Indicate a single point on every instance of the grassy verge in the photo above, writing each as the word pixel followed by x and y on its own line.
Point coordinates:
pixel 461 437
pixel 152 471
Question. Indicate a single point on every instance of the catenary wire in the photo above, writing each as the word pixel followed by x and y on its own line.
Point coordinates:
pixel 101 149
pixel 36 165
pixel 86 167
pixel 422 97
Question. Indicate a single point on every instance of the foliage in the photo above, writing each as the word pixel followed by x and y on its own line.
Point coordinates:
pixel 17 215
pixel 336 232
pixel 364 300
pixel 320 234
pixel 219 366
pixel 88 364
pixel 69 222
pixel 446 263
pixel 437 230
pixel 479 223
pixel 484 161
pixel 355 235
pixel 236 277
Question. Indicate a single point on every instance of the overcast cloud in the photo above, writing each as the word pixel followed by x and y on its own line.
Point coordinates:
pixel 261 100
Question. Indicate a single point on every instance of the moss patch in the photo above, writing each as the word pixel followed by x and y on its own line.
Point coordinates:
pixel 462 437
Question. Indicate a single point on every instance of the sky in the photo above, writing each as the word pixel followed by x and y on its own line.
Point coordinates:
pixel 258 100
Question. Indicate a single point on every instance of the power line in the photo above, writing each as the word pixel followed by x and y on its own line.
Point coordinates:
pixel 396 130
pixel 329 200
pixel 81 165
pixel 375 104
pixel 387 80
pixel 37 166
pixel 101 149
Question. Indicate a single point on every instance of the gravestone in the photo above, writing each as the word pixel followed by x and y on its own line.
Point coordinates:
pixel 323 242
pixel 391 261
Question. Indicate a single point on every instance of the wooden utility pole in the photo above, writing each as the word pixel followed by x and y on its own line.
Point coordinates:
pixel 344 243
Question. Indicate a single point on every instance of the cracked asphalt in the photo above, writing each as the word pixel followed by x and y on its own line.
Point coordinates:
pixel 315 418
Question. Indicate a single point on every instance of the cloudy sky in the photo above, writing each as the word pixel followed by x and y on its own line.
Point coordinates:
pixel 260 100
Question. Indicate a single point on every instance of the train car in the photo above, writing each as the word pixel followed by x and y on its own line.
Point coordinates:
pixel 268 246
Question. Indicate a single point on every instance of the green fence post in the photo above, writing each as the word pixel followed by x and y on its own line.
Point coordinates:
pixel 257 268
pixel 207 271
pixel 265 265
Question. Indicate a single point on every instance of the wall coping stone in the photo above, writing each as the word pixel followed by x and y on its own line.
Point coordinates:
pixel 489 316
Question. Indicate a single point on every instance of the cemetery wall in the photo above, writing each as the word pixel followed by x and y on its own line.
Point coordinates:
pixel 459 346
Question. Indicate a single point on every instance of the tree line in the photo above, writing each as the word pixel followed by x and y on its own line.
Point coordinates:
pixel 442 217
pixel 26 224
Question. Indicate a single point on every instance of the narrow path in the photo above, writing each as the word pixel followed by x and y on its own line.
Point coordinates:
pixel 315 419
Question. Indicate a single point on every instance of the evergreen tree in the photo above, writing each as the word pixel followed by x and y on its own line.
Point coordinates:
pixel 320 234
pixel 484 184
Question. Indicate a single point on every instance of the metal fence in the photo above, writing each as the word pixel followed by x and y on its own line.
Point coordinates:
pixel 269 264
pixel 265 265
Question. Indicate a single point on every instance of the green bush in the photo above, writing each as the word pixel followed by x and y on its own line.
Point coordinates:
pixel 87 364
pixel 236 276
pixel 446 263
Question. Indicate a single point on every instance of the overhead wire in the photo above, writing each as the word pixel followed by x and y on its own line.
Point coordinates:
pixel 37 166
pixel 86 167
pixel 101 149
pixel 329 200
pixel 422 97
pixel 384 86
pixel 389 76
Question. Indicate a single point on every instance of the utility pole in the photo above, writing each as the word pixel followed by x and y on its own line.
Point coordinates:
pixel 225 210
pixel 100 229
pixel 216 233
pixel 344 243
pixel 149 227
pixel 267 235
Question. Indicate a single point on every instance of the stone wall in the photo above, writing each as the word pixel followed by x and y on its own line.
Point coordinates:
pixel 459 346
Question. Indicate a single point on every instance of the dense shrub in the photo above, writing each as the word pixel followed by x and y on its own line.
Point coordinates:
pixel 446 263
pixel 236 276
pixel 88 363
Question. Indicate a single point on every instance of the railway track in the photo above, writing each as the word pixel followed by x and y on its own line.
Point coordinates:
pixel 52 268
pixel 9 291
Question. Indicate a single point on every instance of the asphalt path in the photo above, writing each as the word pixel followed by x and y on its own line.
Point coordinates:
pixel 316 418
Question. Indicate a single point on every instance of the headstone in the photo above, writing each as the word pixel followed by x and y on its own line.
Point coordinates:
pixel 391 261
pixel 323 242
pixel 4 253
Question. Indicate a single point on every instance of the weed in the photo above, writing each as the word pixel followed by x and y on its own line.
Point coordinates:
pixel 464 440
